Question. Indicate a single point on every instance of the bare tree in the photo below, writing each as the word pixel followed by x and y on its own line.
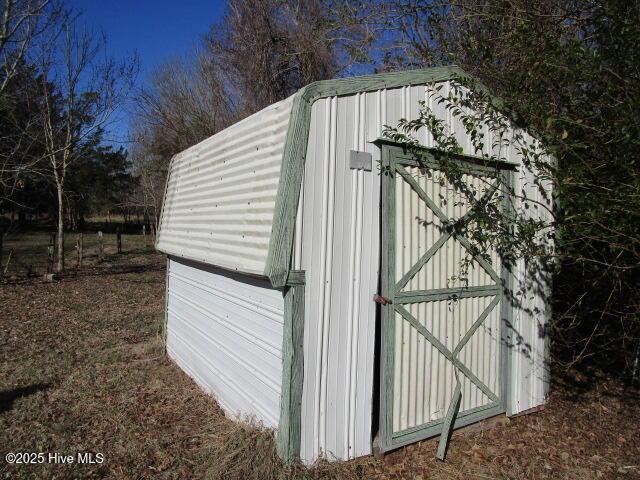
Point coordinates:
pixel 82 88
pixel 20 146
pixel 268 49
pixel 151 173
pixel 22 22
pixel 184 104
pixel 260 52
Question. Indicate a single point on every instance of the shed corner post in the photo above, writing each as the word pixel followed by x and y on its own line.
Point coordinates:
pixel 166 305
pixel 288 438
pixel 507 308
pixel 383 439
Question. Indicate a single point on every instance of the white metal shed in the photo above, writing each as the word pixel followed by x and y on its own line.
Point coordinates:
pixel 278 237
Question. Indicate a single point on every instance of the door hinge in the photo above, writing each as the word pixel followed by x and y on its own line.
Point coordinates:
pixel 379 299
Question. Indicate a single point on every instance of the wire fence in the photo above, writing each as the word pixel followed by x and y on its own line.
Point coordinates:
pixel 33 253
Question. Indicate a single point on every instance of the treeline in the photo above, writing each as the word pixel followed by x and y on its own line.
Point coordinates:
pixel 59 91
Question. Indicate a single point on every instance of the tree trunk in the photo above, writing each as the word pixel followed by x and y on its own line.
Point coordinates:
pixel 60 237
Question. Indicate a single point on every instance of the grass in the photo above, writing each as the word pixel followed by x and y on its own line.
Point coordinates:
pixel 83 369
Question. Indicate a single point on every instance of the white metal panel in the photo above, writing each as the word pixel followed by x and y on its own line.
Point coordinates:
pixel 529 359
pixel 220 198
pixel 225 331
pixel 337 243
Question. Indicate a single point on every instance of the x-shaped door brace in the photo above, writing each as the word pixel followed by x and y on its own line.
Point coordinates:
pixel 452 356
pixel 445 220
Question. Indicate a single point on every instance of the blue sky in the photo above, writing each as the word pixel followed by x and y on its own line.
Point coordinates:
pixel 155 29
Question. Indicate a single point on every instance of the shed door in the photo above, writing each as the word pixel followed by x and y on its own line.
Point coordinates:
pixel 441 330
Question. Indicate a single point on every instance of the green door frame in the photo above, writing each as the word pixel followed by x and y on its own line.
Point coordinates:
pixel 391 155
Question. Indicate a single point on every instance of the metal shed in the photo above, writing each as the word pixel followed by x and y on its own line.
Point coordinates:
pixel 280 230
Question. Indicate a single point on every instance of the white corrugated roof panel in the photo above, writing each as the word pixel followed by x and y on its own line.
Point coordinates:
pixel 221 193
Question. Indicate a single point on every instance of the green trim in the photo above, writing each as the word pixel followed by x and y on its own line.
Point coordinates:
pixel 440 294
pixel 506 323
pixel 449 420
pixel 388 316
pixel 281 241
pixel 166 303
pixel 434 428
pixel 164 199
pixel 422 261
pixel 289 426
pixel 437 424
pixel 472 164
pixel 548 318
pixel 430 156
pixel 296 277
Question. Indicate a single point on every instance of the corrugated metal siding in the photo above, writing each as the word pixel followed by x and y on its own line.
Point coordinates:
pixel 530 370
pixel 423 378
pixel 337 243
pixel 220 198
pixel 225 331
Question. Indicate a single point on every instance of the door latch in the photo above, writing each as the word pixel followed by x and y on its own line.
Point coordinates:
pixel 379 299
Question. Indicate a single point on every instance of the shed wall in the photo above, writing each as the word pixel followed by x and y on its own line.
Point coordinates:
pixel 225 331
pixel 337 243
pixel 220 197
pixel 530 378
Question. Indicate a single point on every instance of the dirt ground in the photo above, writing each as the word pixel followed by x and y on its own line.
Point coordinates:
pixel 82 369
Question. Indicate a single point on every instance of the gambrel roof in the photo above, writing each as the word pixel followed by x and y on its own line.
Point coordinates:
pixel 231 199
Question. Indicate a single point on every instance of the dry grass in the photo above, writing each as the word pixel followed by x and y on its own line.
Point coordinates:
pixel 82 368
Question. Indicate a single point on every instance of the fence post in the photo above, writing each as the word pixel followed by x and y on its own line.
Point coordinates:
pixel 51 252
pixel 6 267
pixel 153 234
pixel 635 371
pixel 1 246
pixel 79 248
pixel 119 239
pixel 100 246
pixel 144 234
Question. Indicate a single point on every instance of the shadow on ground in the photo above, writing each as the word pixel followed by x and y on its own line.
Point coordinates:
pixel 8 397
